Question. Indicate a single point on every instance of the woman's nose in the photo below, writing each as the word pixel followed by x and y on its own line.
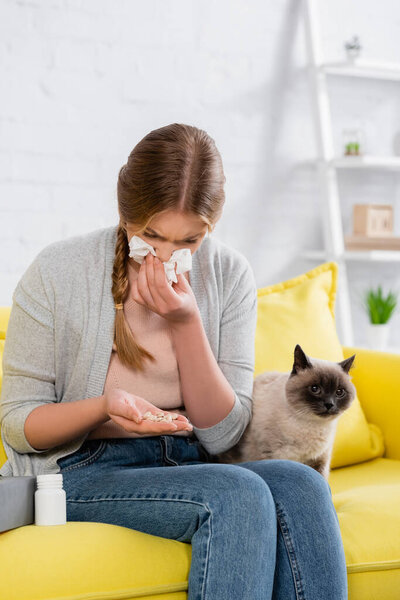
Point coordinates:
pixel 164 256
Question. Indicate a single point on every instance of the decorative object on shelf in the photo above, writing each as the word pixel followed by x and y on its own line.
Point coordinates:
pixel 352 142
pixel 379 310
pixel 374 220
pixel 353 48
pixel 372 228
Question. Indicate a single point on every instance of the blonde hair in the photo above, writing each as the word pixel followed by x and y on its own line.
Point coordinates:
pixel 176 167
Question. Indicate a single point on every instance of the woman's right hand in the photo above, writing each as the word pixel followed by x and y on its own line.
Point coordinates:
pixel 127 409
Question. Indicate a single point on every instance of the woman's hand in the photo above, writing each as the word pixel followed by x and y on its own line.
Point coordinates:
pixel 175 302
pixel 127 409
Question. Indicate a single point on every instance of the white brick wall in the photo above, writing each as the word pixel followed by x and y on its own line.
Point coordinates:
pixel 82 81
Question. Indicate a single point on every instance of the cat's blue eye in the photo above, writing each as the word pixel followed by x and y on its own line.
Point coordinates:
pixel 341 392
pixel 315 388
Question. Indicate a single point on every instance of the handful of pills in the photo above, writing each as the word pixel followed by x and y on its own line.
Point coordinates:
pixel 159 417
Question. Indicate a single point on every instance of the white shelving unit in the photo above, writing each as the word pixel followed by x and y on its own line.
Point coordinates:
pixel 328 165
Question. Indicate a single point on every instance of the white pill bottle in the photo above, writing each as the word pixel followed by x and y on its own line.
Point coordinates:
pixel 50 500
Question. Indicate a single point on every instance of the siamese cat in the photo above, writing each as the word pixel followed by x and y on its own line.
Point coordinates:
pixel 295 414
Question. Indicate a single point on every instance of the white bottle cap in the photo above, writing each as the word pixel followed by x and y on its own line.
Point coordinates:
pixel 49 477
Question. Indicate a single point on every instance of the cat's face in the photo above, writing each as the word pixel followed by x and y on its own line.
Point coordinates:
pixel 320 387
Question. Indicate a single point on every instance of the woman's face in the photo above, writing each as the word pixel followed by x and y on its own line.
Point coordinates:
pixel 171 231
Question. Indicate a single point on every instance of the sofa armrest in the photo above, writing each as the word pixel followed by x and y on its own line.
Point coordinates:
pixel 376 375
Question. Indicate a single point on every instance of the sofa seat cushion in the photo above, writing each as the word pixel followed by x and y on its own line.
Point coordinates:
pixel 91 560
pixel 366 497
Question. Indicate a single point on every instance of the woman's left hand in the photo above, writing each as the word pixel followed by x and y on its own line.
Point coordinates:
pixel 175 302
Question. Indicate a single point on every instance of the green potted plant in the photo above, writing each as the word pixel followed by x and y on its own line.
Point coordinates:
pixel 379 308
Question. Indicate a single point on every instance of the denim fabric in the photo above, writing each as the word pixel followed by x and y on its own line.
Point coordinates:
pixel 259 530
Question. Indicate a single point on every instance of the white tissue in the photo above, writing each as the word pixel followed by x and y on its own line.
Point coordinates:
pixel 182 257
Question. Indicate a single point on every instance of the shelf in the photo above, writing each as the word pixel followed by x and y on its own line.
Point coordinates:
pixel 355 255
pixel 389 163
pixel 371 162
pixel 363 68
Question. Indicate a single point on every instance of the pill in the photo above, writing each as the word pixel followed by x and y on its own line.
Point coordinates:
pixel 159 416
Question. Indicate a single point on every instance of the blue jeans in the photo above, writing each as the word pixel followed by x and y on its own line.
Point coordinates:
pixel 259 530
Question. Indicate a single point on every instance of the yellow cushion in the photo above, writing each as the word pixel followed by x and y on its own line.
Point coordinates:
pixel 366 497
pixel 92 560
pixel 301 311
pixel 377 379
pixel 4 316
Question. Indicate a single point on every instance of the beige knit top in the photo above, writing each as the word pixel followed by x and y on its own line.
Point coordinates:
pixel 159 383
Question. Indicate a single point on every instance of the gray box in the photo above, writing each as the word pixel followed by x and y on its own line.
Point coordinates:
pixel 17 497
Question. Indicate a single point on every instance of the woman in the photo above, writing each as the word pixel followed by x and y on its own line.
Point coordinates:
pixel 95 340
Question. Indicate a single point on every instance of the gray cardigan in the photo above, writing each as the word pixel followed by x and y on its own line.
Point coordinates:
pixel 60 334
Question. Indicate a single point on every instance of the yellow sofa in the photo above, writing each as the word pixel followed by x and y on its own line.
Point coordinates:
pixel 82 560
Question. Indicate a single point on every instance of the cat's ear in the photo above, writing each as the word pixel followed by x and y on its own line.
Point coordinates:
pixel 300 360
pixel 347 364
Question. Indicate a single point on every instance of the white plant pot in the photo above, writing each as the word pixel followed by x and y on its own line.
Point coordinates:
pixel 378 335
pixel 352 54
